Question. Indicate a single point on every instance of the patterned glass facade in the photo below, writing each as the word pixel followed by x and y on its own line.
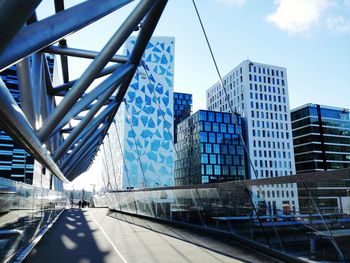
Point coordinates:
pixel 321 136
pixel 141 142
pixel 182 109
pixel 209 149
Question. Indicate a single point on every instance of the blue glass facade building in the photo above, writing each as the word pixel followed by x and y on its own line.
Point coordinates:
pixel 321 136
pixel 209 149
pixel 15 163
pixel 182 109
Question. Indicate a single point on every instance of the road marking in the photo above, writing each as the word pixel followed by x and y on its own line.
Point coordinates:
pixel 109 240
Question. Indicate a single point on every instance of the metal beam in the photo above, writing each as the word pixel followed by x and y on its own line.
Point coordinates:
pixel 84 158
pixel 82 153
pixel 81 53
pixel 96 66
pixel 81 147
pixel 86 100
pixel 43 33
pixel 95 122
pixel 26 90
pixel 59 6
pixel 13 15
pixel 89 116
pixel 16 125
pixel 68 85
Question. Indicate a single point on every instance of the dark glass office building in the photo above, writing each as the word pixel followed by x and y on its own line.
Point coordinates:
pixel 209 149
pixel 15 162
pixel 182 109
pixel 321 136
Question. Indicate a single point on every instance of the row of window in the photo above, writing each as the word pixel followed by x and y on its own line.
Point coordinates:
pixel 268 98
pixel 268 80
pixel 272 154
pixel 268 106
pixel 268 71
pixel 269 124
pixel 221 159
pixel 271 144
pixel 270 134
pixel 220 127
pixel 279 193
pixel 273 164
pixel 272 116
pixel 267 89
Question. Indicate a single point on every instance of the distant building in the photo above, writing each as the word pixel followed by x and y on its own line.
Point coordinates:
pixel 182 109
pixel 321 136
pixel 259 92
pixel 139 149
pixel 209 149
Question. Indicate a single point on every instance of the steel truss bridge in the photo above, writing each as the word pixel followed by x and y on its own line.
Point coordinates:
pixel 43 126
pixel 65 138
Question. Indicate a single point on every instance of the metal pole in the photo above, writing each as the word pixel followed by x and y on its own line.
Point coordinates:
pixel 45 32
pixel 26 90
pixel 81 53
pixel 96 66
pixel 37 76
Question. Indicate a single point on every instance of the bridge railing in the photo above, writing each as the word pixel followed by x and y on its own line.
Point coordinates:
pixel 25 211
pixel 300 217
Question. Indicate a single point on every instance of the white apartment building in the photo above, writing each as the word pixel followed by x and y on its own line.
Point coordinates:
pixel 259 92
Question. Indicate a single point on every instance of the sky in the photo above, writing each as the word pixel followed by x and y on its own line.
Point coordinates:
pixel 311 38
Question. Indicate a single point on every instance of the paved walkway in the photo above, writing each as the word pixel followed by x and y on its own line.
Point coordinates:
pixel 90 236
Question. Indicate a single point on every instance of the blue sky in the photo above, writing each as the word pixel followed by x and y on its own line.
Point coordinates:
pixel 311 38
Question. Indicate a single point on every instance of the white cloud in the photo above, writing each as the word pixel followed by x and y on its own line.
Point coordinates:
pixel 298 16
pixel 338 24
pixel 232 2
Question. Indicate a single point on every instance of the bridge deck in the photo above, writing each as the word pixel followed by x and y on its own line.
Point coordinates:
pixel 91 236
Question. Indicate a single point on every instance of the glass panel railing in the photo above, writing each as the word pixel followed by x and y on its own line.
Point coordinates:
pixel 24 211
pixel 304 216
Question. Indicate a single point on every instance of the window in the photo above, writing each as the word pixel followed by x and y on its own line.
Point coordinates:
pixel 216 148
pixel 208 148
pixel 212 158
pixel 223 128
pixel 207 126
pixel 212 137
pixel 217 170
pixel 203 137
pixel 204 158
pixel 209 170
pixel 219 117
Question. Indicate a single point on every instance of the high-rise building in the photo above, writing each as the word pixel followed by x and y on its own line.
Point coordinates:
pixel 259 92
pixel 321 136
pixel 209 149
pixel 141 143
pixel 182 109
